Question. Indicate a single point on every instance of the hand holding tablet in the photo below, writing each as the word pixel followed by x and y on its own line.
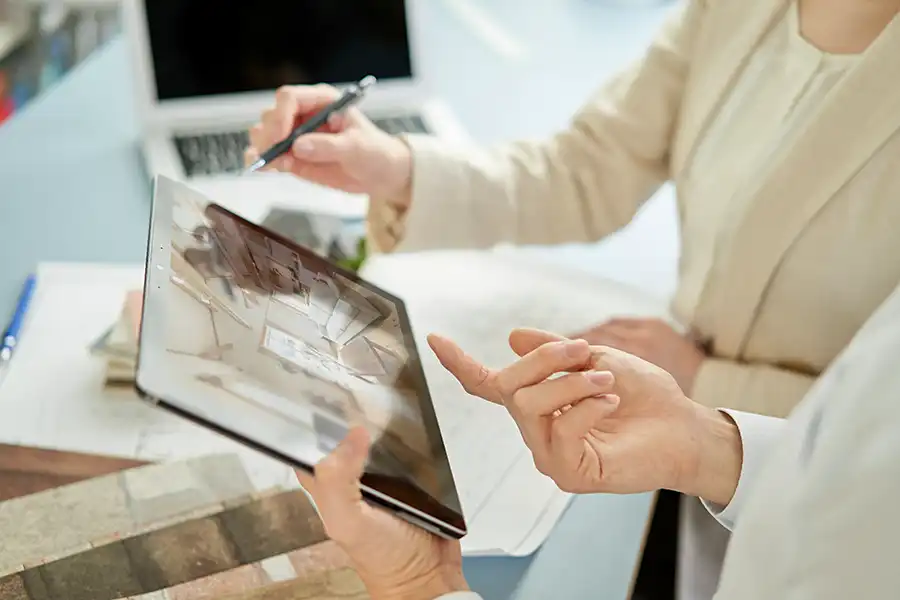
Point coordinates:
pixel 261 340
pixel 391 557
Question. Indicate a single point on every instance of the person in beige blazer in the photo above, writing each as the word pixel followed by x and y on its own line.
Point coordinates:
pixel 778 122
pixel 810 499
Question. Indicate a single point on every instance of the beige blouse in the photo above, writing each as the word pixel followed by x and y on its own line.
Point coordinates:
pixel 781 87
pixel 785 163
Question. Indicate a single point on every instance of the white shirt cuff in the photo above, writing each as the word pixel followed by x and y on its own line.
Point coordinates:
pixel 758 435
pixel 459 596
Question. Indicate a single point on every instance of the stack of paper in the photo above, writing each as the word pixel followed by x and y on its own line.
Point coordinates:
pixel 118 345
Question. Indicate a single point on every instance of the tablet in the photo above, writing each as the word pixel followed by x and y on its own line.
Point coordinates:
pixel 259 339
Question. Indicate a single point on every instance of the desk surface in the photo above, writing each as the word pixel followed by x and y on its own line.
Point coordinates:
pixel 72 187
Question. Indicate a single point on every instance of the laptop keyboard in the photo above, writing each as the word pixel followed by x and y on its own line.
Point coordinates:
pixel 217 153
pixel 402 124
pixel 212 153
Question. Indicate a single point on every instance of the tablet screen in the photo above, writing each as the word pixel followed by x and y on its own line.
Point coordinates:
pixel 266 340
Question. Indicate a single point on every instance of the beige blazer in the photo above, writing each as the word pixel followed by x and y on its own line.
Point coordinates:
pixel 815 253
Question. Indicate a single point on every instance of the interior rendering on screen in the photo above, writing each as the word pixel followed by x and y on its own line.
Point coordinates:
pixel 258 325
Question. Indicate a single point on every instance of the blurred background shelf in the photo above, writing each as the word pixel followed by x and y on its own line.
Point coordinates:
pixel 11 35
pixel 40 42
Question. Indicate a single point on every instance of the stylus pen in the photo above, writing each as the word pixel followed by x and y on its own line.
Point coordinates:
pixel 349 98
pixel 11 336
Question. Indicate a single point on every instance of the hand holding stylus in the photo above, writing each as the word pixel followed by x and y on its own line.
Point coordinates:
pixel 349 98
pixel 347 153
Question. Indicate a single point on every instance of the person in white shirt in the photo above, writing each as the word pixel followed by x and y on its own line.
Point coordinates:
pixel 810 499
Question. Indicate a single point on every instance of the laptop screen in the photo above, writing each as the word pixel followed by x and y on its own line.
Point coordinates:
pixel 209 47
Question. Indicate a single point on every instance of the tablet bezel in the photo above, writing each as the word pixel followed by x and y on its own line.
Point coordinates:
pixel 151 373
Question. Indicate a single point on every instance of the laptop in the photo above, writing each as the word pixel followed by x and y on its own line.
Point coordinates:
pixel 204 72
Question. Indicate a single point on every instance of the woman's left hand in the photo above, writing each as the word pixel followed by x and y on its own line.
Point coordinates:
pixel 655 341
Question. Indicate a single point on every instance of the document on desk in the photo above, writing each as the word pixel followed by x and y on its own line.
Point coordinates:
pixel 476 298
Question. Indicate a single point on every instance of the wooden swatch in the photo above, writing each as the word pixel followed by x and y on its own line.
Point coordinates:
pixel 27 470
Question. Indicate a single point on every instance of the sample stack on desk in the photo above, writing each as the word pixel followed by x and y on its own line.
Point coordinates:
pixel 186 530
pixel 118 345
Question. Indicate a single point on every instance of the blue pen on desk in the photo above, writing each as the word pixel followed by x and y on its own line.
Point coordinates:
pixel 11 336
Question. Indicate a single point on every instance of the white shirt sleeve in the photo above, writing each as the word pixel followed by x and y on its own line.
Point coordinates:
pixel 757 438
pixel 758 435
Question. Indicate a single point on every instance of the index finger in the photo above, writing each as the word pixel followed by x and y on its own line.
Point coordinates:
pixel 475 378
pixel 293 102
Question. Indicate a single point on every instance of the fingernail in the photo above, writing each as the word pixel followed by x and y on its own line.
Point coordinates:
pixel 302 146
pixel 610 399
pixel 576 348
pixel 284 163
pixel 601 379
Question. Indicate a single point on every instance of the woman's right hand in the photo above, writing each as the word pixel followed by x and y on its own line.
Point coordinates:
pixel 611 423
pixel 350 153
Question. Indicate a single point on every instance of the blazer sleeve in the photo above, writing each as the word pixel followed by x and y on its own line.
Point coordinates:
pixel 752 388
pixel 758 434
pixel 845 518
pixel 582 184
